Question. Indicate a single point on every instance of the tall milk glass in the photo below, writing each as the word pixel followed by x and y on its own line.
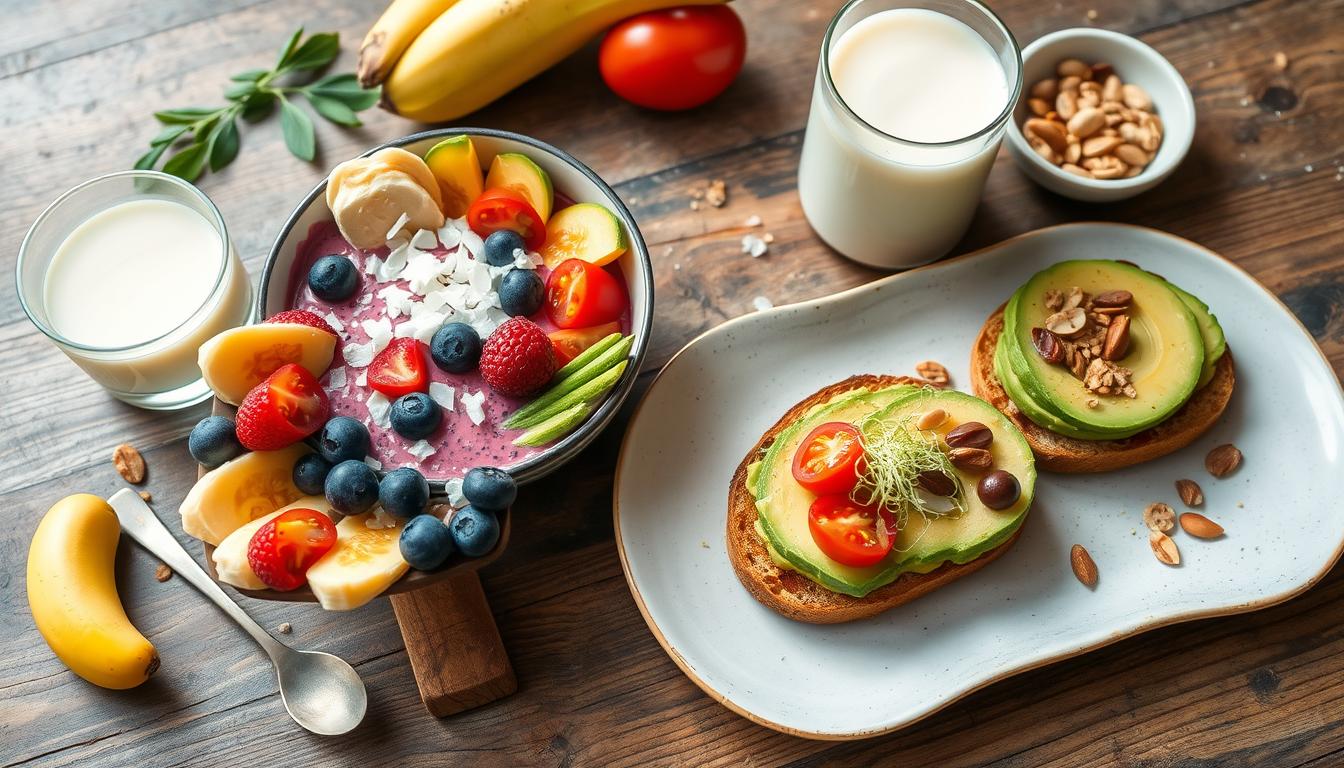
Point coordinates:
pixel 910 103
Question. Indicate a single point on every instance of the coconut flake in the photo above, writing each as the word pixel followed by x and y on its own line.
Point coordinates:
pixel 359 355
pixel 449 235
pixel 453 488
pixel 379 331
pixel 472 404
pixel 442 394
pixel 421 450
pixel 362 380
pixel 424 240
pixel 391 269
pixel 472 242
pixel 397 299
pixel 373 463
pixel 380 409
pixel 336 378
pixel 380 519
pixel 371 266
pixel 754 245
pixel 334 322
pixel 401 222
pixel 761 303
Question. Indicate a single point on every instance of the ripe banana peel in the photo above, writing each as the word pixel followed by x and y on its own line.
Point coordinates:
pixel 477 50
pixel 72 593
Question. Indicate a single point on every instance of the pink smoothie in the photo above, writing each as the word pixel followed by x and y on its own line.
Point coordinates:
pixel 460 444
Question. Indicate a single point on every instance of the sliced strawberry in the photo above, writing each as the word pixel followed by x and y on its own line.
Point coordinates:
pixel 282 410
pixel 303 317
pixel 400 369
pixel 282 550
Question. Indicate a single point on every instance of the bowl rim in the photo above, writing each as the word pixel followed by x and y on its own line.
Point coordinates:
pixel 554 456
pixel 1155 172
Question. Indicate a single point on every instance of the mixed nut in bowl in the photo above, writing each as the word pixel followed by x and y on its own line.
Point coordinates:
pixel 1102 117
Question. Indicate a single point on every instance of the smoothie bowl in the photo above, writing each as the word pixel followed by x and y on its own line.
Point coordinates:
pixel 447 317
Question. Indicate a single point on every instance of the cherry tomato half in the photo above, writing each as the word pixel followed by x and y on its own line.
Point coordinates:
pixel 849 533
pixel 827 460
pixel 571 343
pixel 580 294
pixel 676 58
pixel 500 208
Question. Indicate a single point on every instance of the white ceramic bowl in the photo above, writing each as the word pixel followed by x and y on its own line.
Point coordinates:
pixel 1135 62
pixel 573 179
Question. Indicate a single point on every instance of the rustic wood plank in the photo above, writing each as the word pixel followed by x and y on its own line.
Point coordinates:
pixel 595 689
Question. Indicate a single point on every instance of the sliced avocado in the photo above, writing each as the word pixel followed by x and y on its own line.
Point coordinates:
pixel 1166 349
pixel 1215 343
pixel 458 171
pixel 585 231
pixel 1038 413
pixel 922 545
pixel 511 170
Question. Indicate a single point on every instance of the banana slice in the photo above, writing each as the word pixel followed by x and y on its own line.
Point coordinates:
pixel 364 562
pixel 235 361
pixel 369 195
pixel 231 566
pixel 240 491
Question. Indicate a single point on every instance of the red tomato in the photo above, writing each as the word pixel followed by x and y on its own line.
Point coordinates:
pixel 570 344
pixel 849 533
pixel 675 58
pixel 827 460
pixel 580 294
pixel 400 369
pixel 501 208
pixel 282 550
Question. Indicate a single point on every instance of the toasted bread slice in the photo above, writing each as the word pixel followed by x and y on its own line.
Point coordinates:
pixel 789 592
pixel 1060 453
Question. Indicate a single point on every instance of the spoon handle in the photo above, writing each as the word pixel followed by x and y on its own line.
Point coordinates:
pixel 141 524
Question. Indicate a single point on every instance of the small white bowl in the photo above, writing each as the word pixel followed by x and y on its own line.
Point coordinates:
pixel 1135 62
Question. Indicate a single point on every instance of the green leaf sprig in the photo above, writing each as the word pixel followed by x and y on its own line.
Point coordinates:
pixel 201 137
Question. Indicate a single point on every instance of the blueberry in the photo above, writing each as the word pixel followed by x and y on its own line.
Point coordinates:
pixel 521 292
pixel 475 532
pixel 351 487
pixel 425 542
pixel 415 416
pixel 456 348
pixel 343 439
pixel 404 492
pixel 500 245
pixel 213 441
pixel 489 488
pixel 310 474
pixel 333 278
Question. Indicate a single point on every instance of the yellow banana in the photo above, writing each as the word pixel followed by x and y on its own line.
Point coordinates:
pixel 72 593
pixel 478 50
pixel 392 33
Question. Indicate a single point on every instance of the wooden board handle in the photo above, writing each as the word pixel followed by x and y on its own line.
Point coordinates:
pixel 455 649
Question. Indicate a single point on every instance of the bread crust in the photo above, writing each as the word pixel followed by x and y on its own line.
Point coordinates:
pixel 1060 453
pixel 790 593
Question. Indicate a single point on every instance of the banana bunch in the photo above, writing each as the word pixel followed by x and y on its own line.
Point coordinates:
pixel 72 593
pixel 440 59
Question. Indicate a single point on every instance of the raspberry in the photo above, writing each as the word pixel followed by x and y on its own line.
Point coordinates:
pixel 518 358
pixel 302 317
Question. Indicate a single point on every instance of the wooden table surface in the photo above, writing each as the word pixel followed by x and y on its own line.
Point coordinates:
pixel 1262 186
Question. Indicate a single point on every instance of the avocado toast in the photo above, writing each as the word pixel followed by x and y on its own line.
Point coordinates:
pixel 1103 365
pixel 777 550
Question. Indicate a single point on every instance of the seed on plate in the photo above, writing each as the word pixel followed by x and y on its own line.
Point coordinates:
pixel 1200 526
pixel 163 573
pixel 1159 517
pixel 1164 548
pixel 1223 460
pixel 129 463
pixel 931 419
pixel 1190 492
pixel 1084 567
pixel 933 372
pixel 972 434
pixel 971 459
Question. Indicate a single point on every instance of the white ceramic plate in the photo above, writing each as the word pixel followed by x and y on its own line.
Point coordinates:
pixel 719 394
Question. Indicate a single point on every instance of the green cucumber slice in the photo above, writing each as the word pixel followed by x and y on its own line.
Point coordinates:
pixel 555 427
pixel 585 357
pixel 560 395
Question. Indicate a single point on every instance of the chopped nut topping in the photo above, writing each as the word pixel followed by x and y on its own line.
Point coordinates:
pixel 1106 378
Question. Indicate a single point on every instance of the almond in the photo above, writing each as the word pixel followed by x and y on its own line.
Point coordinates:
pixel 1200 526
pixel 1076 170
pixel 931 419
pixel 129 463
pixel 1119 298
pixel 971 459
pixel 1046 89
pixel 972 434
pixel 1223 460
pixel 1050 132
pixel 1101 145
pixel 1084 567
pixel 1073 68
pixel 1086 122
pixel 1038 107
pixel 1191 494
pixel 1132 155
pixel 1066 104
pixel 163 572
pixel 1135 97
pixel 1164 549
pixel 1111 89
pixel 1070 85
pixel 1117 338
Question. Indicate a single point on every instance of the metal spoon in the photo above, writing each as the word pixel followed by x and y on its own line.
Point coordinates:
pixel 321 692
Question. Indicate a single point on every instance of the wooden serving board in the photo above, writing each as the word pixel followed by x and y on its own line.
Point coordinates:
pixel 454 646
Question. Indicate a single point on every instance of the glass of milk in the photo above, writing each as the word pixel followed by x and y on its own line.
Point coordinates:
pixel 129 274
pixel 910 104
